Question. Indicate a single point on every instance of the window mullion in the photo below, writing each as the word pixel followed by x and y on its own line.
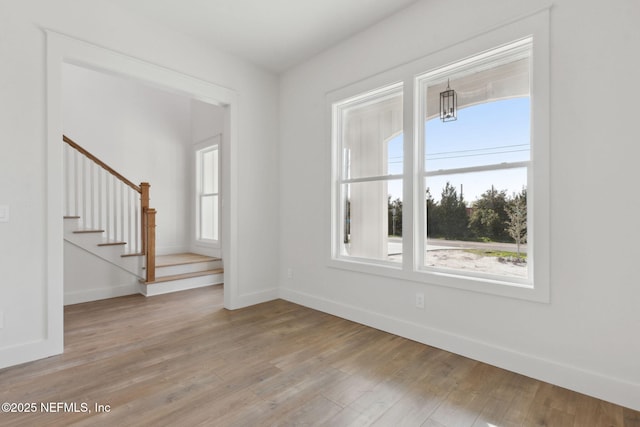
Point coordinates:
pixel 372 179
pixel 419 195
pixel 408 211
pixel 483 168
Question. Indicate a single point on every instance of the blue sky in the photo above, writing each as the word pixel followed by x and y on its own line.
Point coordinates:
pixel 484 134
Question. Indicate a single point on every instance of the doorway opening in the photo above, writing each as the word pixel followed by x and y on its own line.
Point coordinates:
pixel 121 132
pixel 63 50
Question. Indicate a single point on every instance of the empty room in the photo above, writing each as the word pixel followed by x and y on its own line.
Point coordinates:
pixel 340 213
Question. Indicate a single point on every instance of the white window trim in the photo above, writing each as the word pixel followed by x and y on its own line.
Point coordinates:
pixel 536 26
pixel 513 51
pixel 212 143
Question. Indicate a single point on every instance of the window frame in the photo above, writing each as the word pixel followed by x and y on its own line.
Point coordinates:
pixel 339 169
pixel 210 144
pixel 535 26
pixel 518 49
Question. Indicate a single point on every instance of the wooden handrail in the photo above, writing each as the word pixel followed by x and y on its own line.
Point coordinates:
pixel 100 163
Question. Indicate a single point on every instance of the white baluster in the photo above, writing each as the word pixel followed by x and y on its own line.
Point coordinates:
pixel 85 219
pixel 76 188
pixel 129 228
pixel 121 211
pixel 115 208
pixel 100 173
pixel 136 217
pixel 92 196
pixel 67 202
pixel 108 205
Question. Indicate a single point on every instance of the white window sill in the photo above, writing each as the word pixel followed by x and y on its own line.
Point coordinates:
pixel 497 287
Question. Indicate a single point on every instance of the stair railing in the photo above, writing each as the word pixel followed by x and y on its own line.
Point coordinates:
pixel 105 200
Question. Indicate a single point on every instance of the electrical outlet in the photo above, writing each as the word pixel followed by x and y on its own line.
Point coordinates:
pixel 290 273
pixel 419 300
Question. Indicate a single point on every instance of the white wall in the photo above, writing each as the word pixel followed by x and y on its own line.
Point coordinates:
pixel 140 131
pixel 89 278
pixel 30 288
pixel 584 339
pixel 206 121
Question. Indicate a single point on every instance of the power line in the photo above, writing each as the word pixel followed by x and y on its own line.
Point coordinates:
pixel 476 155
pixel 431 159
pixel 476 149
pixel 499 147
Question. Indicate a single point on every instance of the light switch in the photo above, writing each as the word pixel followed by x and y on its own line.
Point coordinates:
pixel 4 213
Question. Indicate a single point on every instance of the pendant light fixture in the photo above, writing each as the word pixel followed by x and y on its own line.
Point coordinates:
pixel 448 104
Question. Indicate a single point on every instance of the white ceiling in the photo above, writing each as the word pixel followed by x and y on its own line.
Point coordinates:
pixel 275 34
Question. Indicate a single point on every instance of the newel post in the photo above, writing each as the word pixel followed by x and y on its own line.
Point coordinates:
pixel 144 205
pixel 151 244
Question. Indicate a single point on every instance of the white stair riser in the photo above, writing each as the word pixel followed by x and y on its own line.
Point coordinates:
pixel 172 270
pixel 181 284
pixel 85 238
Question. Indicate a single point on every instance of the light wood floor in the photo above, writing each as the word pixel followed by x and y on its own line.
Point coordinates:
pixel 182 360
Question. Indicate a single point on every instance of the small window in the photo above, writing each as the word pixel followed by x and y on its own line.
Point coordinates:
pixel 207 194
pixel 368 147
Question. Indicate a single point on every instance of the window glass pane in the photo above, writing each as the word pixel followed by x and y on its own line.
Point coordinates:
pixel 209 217
pixel 372 220
pixel 485 134
pixel 371 145
pixel 395 155
pixel 477 222
pixel 209 171
pixel 493 118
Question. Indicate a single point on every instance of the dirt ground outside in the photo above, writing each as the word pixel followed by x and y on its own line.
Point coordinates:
pixel 463 260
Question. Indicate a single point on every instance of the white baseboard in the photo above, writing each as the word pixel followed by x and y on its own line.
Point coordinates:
pixel 591 383
pixel 87 295
pixel 30 351
pixel 254 298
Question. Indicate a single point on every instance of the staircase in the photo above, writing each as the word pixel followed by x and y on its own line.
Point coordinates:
pixel 109 217
pixel 183 271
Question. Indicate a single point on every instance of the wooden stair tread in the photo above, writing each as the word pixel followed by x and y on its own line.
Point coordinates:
pixel 182 259
pixel 185 276
pixel 111 243
pixel 71 217
pixel 132 254
pixel 88 230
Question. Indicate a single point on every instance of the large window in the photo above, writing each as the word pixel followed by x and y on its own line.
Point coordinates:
pixel 208 194
pixel 461 203
pixel 475 169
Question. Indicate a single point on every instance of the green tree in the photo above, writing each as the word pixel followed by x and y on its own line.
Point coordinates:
pixel 347 221
pixel 394 217
pixel 517 223
pixel 489 217
pixel 432 207
pixel 451 214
